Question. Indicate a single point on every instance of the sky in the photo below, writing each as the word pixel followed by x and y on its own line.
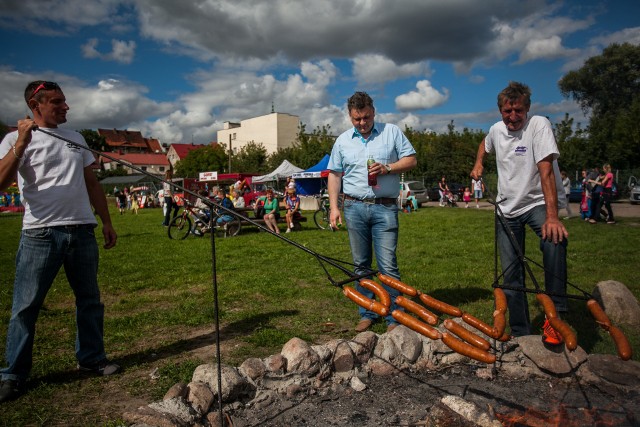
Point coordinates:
pixel 177 70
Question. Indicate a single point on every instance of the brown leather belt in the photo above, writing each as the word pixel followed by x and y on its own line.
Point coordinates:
pixel 374 200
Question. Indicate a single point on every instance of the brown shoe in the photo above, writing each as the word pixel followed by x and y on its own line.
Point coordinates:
pixel 363 325
pixel 391 327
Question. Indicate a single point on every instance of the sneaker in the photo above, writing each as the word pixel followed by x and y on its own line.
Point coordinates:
pixel 291 225
pixel 101 368
pixel 10 390
pixel 549 335
pixel 363 325
pixel 611 222
pixel 288 230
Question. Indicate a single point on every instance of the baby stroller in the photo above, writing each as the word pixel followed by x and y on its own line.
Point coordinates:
pixel 450 199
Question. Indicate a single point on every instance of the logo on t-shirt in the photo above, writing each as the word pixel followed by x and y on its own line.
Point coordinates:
pixel 521 151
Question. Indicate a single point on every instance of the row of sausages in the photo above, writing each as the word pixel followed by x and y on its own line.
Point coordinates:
pixel 460 339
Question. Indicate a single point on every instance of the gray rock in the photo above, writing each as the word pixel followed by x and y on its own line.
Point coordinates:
pixel 176 409
pixel 343 357
pixel 386 349
pixel 610 368
pixel 176 390
pixel 620 305
pixel 407 342
pixel 300 357
pixel 233 384
pixel 253 368
pixel 323 351
pixel 357 384
pixel 276 364
pixel 559 361
pixel 363 344
pixel 148 416
pixel 200 397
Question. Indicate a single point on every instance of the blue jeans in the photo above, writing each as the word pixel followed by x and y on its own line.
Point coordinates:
pixel 373 226
pixel 41 253
pixel 554 260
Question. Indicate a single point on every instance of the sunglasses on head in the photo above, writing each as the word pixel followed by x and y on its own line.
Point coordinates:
pixel 45 86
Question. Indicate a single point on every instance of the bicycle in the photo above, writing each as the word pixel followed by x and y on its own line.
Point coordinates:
pixel 193 221
pixel 321 216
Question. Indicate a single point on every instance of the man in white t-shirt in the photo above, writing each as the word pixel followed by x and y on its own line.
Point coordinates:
pixel 530 193
pixel 58 188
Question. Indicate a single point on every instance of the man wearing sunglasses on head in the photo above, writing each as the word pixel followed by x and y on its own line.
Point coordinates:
pixel 59 189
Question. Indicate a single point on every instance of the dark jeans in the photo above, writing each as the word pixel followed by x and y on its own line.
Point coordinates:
pixel 605 200
pixel 169 203
pixel 554 259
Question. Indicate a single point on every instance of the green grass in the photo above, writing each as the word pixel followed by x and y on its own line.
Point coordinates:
pixel 159 304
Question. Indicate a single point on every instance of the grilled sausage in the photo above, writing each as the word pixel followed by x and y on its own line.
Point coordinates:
pixel 563 329
pixel 440 306
pixel 364 302
pixel 480 325
pixel 416 308
pixel 622 343
pixel 499 324
pixel 397 285
pixel 598 314
pixel 500 300
pixel 378 290
pixel 466 335
pixel 466 349
pixel 415 324
pixel 547 305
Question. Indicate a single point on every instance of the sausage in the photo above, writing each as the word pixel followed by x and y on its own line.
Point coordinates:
pixel 598 314
pixel 466 335
pixel 622 343
pixel 563 329
pixel 500 300
pixel 499 324
pixel 378 290
pixel 415 324
pixel 440 306
pixel 416 308
pixel 397 285
pixel 466 349
pixel 480 325
pixel 547 305
pixel 504 338
pixel 364 302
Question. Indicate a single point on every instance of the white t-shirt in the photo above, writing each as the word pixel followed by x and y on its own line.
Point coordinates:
pixel 51 179
pixel 517 157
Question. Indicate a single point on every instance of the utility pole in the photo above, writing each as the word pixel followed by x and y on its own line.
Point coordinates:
pixel 230 151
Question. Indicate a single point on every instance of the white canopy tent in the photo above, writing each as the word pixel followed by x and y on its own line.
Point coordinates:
pixel 286 169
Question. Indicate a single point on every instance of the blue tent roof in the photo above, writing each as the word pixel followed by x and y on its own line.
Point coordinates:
pixel 318 170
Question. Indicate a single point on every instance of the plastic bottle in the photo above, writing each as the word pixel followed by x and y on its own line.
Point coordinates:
pixel 373 178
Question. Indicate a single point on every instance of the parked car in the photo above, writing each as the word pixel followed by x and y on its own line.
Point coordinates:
pixel 416 189
pixel 634 190
pixel 576 194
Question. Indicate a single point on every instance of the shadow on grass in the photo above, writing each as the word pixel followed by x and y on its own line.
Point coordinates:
pixel 229 331
pixel 462 295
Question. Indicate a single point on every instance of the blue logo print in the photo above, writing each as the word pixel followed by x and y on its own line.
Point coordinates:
pixel 521 151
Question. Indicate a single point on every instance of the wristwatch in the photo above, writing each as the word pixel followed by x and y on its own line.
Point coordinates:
pixel 388 168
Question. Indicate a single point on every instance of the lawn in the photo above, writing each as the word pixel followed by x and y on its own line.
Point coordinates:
pixel 159 304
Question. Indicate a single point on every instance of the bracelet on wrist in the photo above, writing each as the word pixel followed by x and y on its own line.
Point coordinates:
pixel 15 153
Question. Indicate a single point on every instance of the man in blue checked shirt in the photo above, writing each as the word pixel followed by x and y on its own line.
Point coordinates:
pixel 371 211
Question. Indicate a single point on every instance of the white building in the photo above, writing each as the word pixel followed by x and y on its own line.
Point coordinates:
pixel 273 131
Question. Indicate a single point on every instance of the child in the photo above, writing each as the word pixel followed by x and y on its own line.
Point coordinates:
pixel 466 196
pixel 134 203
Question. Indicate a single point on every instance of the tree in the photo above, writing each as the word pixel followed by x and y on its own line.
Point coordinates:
pixel 608 85
pixel 94 139
pixel 251 157
pixel 207 158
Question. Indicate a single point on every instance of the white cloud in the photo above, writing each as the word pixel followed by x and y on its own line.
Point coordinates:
pixel 376 69
pixel 425 97
pixel 121 51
